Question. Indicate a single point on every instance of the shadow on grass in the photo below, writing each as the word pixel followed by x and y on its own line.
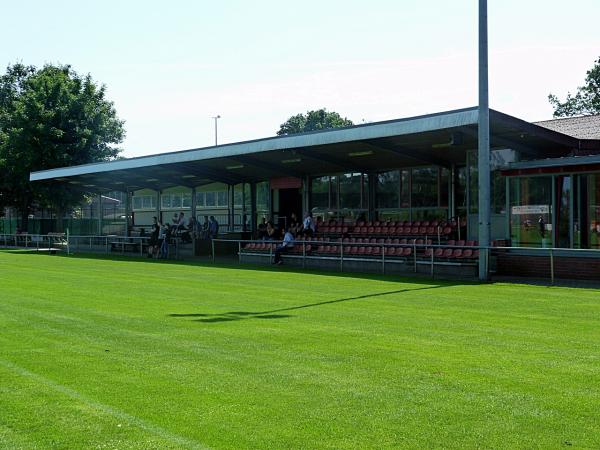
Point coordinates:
pixel 270 314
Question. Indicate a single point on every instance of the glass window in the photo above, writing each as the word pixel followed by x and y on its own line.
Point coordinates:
pixel 320 192
pixel 186 200
pixel 200 199
pixel 334 189
pixel 531 211
pixel 593 209
pixel 222 198
pixel 137 202
pixel 211 199
pixel 387 189
pixel 498 193
pixel 262 196
pixel 404 188
pixel 165 201
pixel 444 188
pixel 424 187
pixel 148 202
pixel 350 190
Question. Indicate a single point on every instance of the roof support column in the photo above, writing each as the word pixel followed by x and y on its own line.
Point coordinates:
pixel 484 143
pixel 100 214
pixel 371 187
pixel 253 213
pixel 128 212
pixel 194 221
pixel 158 217
pixel 231 189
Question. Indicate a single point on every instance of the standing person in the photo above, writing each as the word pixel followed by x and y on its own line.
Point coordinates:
pixel 308 225
pixel 164 248
pixel 205 228
pixel 213 227
pixel 286 245
pixel 262 229
pixel 153 242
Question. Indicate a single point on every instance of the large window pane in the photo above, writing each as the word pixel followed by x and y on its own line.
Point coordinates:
pixel 222 198
pixel 593 185
pixel 424 187
pixel 405 188
pixel 387 189
pixel 210 199
pixel 531 211
pixel 186 200
pixel 320 193
pixel 350 190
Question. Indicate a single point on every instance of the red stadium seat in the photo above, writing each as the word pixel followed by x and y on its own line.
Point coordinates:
pixel 439 252
pixel 422 230
pixel 446 230
pixel 361 250
pixel 431 230
pixel 451 242
pixel 467 253
pixel 448 253
pixel 425 223
pixel 368 250
pixel 376 251
pixel 377 230
pixel 406 251
pixel 457 253
pixel 414 230
pixel 460 243
pixel 391 251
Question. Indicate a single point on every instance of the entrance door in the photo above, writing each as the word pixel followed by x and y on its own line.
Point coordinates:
pixel 290 201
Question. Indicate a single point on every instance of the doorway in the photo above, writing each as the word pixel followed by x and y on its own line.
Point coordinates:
pixel 289 201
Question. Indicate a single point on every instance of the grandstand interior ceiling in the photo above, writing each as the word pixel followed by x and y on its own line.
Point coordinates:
pixel 441 139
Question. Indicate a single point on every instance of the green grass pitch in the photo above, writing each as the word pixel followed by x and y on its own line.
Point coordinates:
pixel 118 354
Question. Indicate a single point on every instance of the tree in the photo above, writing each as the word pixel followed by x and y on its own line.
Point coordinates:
pixel 51 118
pixel 313 121
pixel 587 99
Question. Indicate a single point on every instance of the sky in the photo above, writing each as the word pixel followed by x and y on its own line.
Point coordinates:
pixel 169 67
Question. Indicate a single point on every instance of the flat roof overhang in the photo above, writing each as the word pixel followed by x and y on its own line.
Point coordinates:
pixel 565 165
pixel 440 139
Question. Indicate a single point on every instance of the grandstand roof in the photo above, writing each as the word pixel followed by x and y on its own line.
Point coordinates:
pixel 441 139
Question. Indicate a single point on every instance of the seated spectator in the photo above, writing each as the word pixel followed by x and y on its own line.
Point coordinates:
pixel 286 245
pixel 271 232
pixel 262 229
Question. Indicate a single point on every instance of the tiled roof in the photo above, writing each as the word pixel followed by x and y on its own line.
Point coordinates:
pixel 583 127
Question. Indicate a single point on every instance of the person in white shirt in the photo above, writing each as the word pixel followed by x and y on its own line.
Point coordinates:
pixel 308 225
pixel 287 245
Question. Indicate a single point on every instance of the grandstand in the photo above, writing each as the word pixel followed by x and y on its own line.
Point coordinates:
pixel 394 190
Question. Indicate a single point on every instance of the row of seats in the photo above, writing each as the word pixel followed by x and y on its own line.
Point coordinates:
pixel 391 223
pixel 404 248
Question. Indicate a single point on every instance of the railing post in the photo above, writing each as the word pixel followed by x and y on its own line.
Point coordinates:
pixel 106 244
pixel 415 253
pixel 342 256
pixel 432 263
pixel 212 245
pixel 141 247
pixel 90 243
pixel 240 252
pixel 304 254
pixel 383 259
pixel 552 266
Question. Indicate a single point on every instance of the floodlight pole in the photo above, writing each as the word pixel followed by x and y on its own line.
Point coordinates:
pixel 216 118
pixel 484 144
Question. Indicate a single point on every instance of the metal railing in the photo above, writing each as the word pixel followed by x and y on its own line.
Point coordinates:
pixel 73 243
pixel 421 254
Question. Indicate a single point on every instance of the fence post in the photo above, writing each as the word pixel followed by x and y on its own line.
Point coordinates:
pixel 383 259
pixel 342 256
pixel 240 252
pixel 106 244
pixel 141 247
pixel 68 242
pixel 90 243
pixel 552 266
pixel 212 245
